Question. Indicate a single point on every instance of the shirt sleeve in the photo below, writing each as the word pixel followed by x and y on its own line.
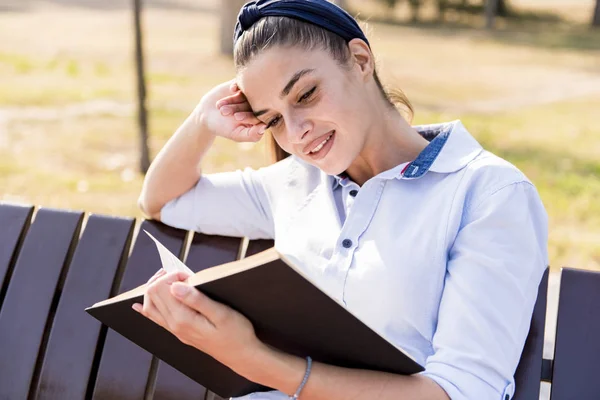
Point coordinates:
pixel 494 269
pixel 226 204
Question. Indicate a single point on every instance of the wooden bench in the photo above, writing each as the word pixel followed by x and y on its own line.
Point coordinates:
pixel 54 263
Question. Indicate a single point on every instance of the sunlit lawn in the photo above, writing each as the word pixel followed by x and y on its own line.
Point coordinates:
pixel 52 158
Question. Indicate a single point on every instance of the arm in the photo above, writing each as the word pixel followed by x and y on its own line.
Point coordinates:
pixel 494 268
pixel 326 382
pixel 229 337
pixel 176 168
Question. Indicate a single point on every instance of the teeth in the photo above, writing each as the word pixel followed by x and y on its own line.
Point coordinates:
pixel 320 146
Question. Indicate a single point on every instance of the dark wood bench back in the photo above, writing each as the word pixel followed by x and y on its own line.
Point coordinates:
pixel 576 372
pixel 528 376
pixel 51 269
pixel 32 294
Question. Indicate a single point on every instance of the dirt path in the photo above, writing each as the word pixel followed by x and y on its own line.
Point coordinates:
pixel 584 86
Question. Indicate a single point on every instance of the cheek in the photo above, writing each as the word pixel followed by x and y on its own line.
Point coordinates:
pixel 281 140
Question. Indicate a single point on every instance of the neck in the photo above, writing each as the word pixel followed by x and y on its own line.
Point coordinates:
pixel 391 141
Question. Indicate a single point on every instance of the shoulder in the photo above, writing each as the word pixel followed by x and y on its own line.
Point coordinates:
pixel 488 174
pixel 492 172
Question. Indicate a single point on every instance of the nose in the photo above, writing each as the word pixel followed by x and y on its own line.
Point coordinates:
pixel 298 128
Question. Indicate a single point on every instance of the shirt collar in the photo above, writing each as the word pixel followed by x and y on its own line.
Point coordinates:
pixel 451 147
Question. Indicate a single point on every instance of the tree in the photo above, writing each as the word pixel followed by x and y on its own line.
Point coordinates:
pixel 491 10
pixel 141 86
pixel 502 9
pixel 596 17
pixel 494 8
pixel 342 3
pixel 415 6
pixel 229 12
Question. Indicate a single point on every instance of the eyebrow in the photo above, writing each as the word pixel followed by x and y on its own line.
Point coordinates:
pixel 288 88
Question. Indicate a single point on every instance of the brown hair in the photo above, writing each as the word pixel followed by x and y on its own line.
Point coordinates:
pixel 269 32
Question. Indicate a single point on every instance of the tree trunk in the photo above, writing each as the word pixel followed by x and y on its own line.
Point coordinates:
pixel 596 18
pixel 502 10
pixel 441 9
pixel 491 10
pixel 229 12
pixel 141 86
pixel 415 6
pixel 342 3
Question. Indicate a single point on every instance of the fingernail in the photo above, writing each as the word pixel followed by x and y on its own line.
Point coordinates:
pixel 137 307
pixel 180 289
pixel 262 130
pixel 239 116
pixel 226 110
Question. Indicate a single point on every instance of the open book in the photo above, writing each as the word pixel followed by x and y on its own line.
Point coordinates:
pixel 287 310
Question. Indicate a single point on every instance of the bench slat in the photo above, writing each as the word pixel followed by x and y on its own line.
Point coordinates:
pixel 256 246
pixel 125 368
pixel 529 371
pixel 30 298
pixel 577 346
pixel 205 251
pixel 72 344
pixel 14 221
pixel 172 384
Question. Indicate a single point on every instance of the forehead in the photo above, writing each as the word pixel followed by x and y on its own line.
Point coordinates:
pixel 269 71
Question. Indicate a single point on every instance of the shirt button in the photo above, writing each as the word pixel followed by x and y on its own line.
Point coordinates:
pixel 347 243
pixel 353 193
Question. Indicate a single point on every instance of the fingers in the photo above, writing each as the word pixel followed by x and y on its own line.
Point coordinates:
pixel 247 118
pixel 215 312
pixel 232 99
pixel 234 103
pixel 155 306
pixel 231 109
pixel 157 275
pixel 149 310
pixel 248 133
pixel 257 131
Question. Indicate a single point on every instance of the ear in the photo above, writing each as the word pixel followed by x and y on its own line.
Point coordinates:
pixel 362 57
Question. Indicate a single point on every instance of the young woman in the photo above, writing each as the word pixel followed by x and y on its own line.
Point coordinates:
pixel 430 239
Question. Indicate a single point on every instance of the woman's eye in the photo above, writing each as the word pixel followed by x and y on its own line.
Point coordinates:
pixel 273 122
pixel 307 95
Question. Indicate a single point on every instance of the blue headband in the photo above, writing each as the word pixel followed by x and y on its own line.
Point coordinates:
pixel 318 12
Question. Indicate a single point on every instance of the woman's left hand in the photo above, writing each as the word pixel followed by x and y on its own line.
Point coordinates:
pixel 201 322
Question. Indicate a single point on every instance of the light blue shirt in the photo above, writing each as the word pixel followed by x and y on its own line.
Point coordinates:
pixel 442 256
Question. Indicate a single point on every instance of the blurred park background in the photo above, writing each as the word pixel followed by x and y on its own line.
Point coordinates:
pixel 528 89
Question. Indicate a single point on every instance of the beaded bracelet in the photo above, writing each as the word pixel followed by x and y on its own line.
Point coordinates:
pixel 306 374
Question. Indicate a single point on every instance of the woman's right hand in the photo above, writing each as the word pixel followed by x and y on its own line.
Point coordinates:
pixel 225 111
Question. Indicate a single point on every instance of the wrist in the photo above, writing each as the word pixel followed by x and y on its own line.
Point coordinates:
pixel 198 118
pixel 200 129
pixel 275 369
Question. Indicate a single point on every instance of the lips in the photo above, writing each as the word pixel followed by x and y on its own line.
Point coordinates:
pixel 317 142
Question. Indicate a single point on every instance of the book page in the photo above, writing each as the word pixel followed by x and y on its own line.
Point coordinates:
pixel 168 260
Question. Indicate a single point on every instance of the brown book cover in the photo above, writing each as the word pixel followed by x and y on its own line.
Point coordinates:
pixel 287 310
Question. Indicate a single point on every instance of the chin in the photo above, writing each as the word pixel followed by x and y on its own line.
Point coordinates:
pixel 332 165
pixel 334 162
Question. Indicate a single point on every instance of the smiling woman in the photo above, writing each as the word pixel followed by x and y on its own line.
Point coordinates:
pixel 274 32
pixel 417 230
